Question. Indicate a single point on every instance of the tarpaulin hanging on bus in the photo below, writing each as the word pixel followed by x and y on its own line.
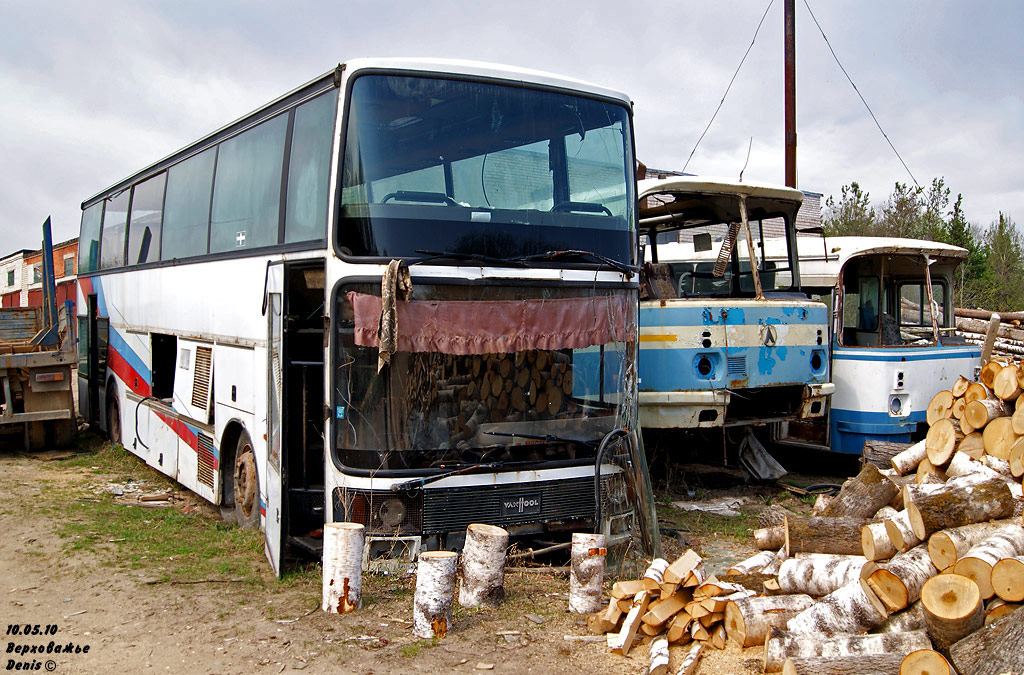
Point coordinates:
pixel 500 326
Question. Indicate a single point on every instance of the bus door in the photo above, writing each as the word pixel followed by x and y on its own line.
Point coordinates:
pixel 273 479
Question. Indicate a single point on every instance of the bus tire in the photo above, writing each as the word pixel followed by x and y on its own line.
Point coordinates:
pixel 242 496
pixel 114 420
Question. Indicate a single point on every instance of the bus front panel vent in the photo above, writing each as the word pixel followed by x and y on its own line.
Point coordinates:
pixel 201 381
pixel 205 460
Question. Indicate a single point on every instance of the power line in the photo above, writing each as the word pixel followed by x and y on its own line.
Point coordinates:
pixel 722 102
pixel 870 112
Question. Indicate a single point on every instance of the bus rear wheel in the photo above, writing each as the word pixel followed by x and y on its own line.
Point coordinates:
pixel 114 420
pixel 242 496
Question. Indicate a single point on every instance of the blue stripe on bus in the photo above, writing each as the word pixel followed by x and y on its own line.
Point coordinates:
pixel 675 369
pixel 700 315
pixel 128 354
pixel 900 355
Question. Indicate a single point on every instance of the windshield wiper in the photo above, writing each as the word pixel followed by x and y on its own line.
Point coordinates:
pixel 474 257
pixel 548 438
pixel 614 264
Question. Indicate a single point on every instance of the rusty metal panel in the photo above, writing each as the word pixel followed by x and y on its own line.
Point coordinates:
pixel 19 324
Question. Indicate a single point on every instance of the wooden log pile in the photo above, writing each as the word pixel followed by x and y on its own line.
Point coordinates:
pixel 918 557
pixel 1009 336
pixel 476 389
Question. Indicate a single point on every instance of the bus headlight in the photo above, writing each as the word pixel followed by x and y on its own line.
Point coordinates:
pixel 899 405
pixel 817 360
pixel 704 365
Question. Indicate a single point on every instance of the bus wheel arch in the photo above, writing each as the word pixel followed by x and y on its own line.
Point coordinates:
pixel 240 494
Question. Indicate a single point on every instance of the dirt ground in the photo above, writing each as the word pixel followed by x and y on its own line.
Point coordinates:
pixel 94 599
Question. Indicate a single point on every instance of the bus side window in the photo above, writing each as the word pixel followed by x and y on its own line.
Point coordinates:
pixel 187 207
pixel 112 237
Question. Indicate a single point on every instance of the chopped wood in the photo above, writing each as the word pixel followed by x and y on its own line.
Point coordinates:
pixel 823 535
pixel 940 406
pixel 677 572
pixel 996 648
pixel 907 460
pixel 999 437
pixel 880 453
pixel 753 581
pixel 997 608
pixel 770 538
pixel 961 501
pixel 972 445
pixel 978 562
pixel 689 664
pixel 654 576
pixel 942 439
pixel 925 662
pixel 875 542
pixel 989 372
pixel 819 575
pixel 898 583
pixel 665 609
pixel 718 637
pixel 696 576
pixel 959 387
pixel 862 495
pixel 1008 579
pixel 678 628
pixel 957 411
pixel 713 587
pixel 912 618
pixel 864 664
pixel 948 546
pixel 901 533
pixel 852 608
pixel 623 640
pixel 658 664
pixel 952 609
pixel 754 563
pixel 979 413
pixel 781 645
pixel 748 620
pixel 976 390
pixel 1005 384
pixel 606 621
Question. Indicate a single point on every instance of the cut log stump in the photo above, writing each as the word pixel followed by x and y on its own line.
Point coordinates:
pixel 343 567
pixel 483 568
pixel 952 609
pixel 435 590
pixel 586 572
pixel 748 620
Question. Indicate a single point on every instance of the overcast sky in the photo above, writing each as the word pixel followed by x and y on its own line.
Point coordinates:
pixel 93 91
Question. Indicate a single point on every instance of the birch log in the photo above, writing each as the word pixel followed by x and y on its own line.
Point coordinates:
pixel 770 538
pixel 862 495
pixel 912 618
pixel 435 590
pixel 963 464
pixel 853 608
pixel 998 648
pixel 1005 385
pixel 959 503
pixel 948 546
pixel 978 562
pixel 979 413
pixel 880 453
pixel 952 609
pixel 1008 579
pixel 973 445
pixel 748 620
pixel 901 533
pixel 343 568
pixel 658 664
pixel 875 541
pixel 655 574
pixel 483 568
pixel 781 645
pixel 823 535
pixel 925 661
pixel 865 664
pixel 819 575
pixel 999 437
pixel 689 664
pixel 621 642
pixel 586 573
pixel 907 461
pixel 942 439
pixel 898 583
pixel 754 563
pixel 939 407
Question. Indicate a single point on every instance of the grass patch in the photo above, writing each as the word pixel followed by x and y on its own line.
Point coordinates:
pixel 410 651
pixel 703 524
pixel 175 545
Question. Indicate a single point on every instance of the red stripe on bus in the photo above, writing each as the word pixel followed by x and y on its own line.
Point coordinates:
pixel 128 375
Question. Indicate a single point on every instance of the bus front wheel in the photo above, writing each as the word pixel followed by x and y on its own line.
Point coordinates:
pixel 243 503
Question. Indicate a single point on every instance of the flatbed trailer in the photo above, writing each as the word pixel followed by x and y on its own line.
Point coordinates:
pixel 37 359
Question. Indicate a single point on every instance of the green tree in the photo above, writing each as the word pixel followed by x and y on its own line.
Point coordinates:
pixel 852 215
pixel 1001 288
pixel 900 215
pixel 933 203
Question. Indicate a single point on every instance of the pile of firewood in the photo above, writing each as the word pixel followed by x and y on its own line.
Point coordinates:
pixel 974 326
pixel 917 563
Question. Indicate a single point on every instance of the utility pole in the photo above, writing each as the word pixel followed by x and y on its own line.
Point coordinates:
pixel 790 49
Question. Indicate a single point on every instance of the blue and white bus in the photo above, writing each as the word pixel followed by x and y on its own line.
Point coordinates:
pixel 727 335
pixel 892 336
pixel 403 294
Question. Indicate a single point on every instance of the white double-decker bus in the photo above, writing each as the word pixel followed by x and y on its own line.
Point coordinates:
pixel 403 294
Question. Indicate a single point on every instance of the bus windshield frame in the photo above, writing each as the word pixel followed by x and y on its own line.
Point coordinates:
pixel 485 168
